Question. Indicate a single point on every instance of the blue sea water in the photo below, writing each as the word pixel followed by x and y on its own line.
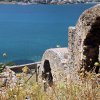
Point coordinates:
pixel 27 31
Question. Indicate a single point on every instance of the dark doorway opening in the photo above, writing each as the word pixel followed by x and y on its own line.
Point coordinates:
pixel 46 66
pixel 46 74
pixel 91 47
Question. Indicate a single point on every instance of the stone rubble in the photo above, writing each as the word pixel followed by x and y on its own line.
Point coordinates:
pixel 8 79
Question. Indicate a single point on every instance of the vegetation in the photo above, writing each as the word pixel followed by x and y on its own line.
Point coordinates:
pixel 10 63
pixel 85 89
pixel 25 69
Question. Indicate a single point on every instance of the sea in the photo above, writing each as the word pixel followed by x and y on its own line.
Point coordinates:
pixel 26 31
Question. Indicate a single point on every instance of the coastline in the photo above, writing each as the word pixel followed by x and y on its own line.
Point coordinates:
pixel 2 2
pixel 28 3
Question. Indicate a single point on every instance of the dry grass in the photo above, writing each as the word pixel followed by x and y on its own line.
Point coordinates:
pixel 87 89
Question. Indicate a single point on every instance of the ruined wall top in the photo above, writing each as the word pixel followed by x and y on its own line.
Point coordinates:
pixel 86 19
pixel 55 54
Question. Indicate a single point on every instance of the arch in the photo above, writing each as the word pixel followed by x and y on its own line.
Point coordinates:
pixel 86 38
pixel 91 46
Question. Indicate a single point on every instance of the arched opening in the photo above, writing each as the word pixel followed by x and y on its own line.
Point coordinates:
pixel 46 66
pixel 46 74
pixel 91 47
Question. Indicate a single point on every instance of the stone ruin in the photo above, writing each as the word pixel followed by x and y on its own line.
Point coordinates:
pixel 57 59
pixel 83 47
pixel 84 40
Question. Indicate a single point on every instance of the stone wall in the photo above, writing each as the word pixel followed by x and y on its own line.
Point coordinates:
pixel 80 31
pixel 57 58
pixel 18 68
pixel 71 41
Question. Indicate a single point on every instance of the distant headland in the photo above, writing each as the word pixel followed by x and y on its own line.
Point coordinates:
pixel 25 2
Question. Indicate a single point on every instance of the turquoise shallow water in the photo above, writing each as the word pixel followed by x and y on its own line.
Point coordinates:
pixel 27 31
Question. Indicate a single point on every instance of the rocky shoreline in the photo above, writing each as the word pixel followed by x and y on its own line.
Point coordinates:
pixel 26 2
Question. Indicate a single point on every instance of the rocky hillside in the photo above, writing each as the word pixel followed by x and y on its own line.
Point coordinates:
pixel 51 1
